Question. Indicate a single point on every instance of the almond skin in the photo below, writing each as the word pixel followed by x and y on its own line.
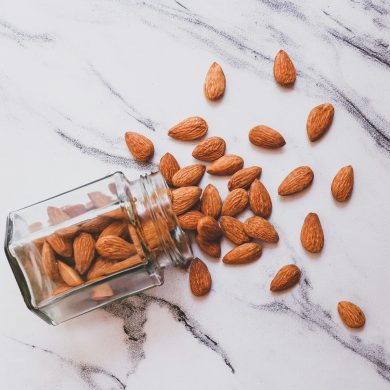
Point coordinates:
pixel 184 198
pixel 266 137
pixel 284 69
pixel 74 210
pixel 226 165
pixel 259 200
pixel 140 147
pixel 200 278
pixel 351 314
pixel 286 277
pixel 243 254
pixel 260 228
pixel 342 184
pixel 296 181
pixel 233 229
pixel 319 120
pixel 69 275
pixel 56 215
pixel 83 251
pixel 49 263
pixel 99 199
pixel 168 167
pixel 210 149
pixel 68 232
pixel 117 228
pixel 244 177
pixel 211 248
pixel 114 248
pixel 215 82
pixel 95 225
pixel 190 219
pixel 235 202
pixel 189 176
pixel 209 229
pixel 102 292
pixel 189 129
pixel 211 202
pixel 312 235
pixel 62 246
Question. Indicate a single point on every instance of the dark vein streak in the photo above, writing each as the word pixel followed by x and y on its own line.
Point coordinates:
pixel 19 35
pixel 181 5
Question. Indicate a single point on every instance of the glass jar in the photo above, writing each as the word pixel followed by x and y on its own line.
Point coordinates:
pixel 96 243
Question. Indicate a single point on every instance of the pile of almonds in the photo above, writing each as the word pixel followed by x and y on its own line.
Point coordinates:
pixel 210 218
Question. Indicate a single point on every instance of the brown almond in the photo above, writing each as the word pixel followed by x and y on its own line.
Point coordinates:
pixel 189 129
pixel 296 181
pixel 69 275
pixel 140 147
pixel 342 184
pixel 102 292
pixel 266 137
pixel 168 167
pixel 117 228
pixel 190 175
pixel 83 251
pixel 211 248
pixel 118 213
pixel 260 228
pixel 259 200
pixel 215 82
pixel 286 277
pixel 114 248
pixel 99 199
pixel 130 262
pixel 235 202
pixel 209 229
pixel 284 69
pixel 34 227
pixel 190 219
pixel 95 225
pixel 210 149
pixel 319 120
pixel 62 246
pixel 49 263
pixel 233 229
pixel 68 232
pixel 211 202
pixel 184 198
pixel 200 278
pixel 312 235
pixel 99 268
pixel 351 314
pixel 244 177
pixel 74 210
pixel 243 254
pixel 226 165
pixel 56 215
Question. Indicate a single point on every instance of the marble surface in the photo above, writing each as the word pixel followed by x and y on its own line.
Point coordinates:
pixel 74 75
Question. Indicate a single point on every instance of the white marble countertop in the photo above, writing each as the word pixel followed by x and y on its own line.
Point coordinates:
pixel 74 76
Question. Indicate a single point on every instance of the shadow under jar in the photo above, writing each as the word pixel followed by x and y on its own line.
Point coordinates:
pixel 94 244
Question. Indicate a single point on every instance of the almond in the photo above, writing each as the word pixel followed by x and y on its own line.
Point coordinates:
pixel 266 137
pixel 215 82
pixel 34 227
pixel 114 248
pixel 284 70
pixel 189 176
pixel 259 199
pixel 242 254
pixel 342 184
pixel 56 215
pixel 60 289
pixel 102 292
pixel 95 225
pixel 286 277
pixel 168 167
pixel 62 246
pixel 211 202
pixel 200 278
pixel 99 199
pixel 319 121
pixel 244 177
pixel 103 267
pixel 212 248
pixel 74 210
pixel 233 229
pixel 140 147
pixel 235 202
pixel 190 219
pixel 133 233
pixel 226 165
pixel 118 213
pixel 209 229
pixel 69 275
pixel 296 181
pixel 351 314
pixel 312 235
pixel 184 198
pixel 117 228
pixel 261 229
pixel 49 263
pixel 210 149
pixel 83 251
pixel 68 232
pixel 189 130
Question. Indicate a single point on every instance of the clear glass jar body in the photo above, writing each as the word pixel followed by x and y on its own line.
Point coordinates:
pixel 94 244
